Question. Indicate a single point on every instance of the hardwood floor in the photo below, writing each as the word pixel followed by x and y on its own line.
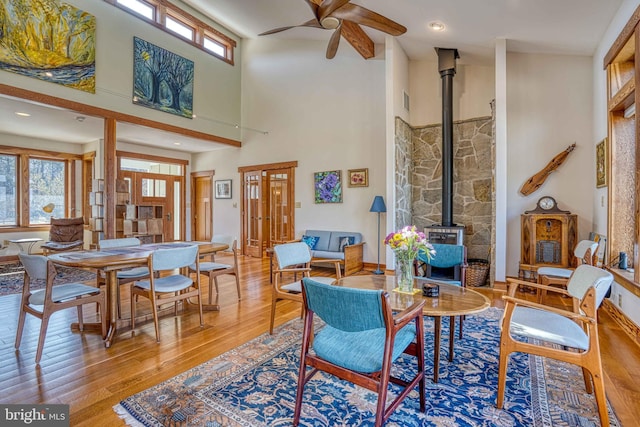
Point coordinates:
pixel 77 370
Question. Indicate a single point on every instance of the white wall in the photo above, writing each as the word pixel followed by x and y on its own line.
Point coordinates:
pixel 326 114
pixel 473 90
pixel 549 102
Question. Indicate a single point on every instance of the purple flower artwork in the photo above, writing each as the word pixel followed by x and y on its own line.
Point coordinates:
pixel 328 187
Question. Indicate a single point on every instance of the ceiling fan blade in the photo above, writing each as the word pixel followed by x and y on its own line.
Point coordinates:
pixel 310 23
pixel 313 6
pixel 369 18
pixel 333 43
pixel 328 7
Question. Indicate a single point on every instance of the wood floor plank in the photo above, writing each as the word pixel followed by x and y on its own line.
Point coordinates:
pixel 77 370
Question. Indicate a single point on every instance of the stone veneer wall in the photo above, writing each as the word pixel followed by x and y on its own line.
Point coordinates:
pixel 419 179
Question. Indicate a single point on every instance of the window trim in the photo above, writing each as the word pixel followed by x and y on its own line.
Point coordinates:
pixel 162 8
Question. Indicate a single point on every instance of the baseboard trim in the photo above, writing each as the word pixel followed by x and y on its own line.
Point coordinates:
pixel 621 319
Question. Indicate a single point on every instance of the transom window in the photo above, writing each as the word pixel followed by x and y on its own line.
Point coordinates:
pixel 176 21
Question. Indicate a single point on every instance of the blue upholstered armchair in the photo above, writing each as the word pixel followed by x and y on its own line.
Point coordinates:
pixel 448 265
pixel 360 348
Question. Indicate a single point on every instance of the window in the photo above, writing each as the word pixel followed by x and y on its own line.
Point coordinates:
pixel 46 186
pixel 32 179
pixel 170 18
pixel 179 28
pixel 8 187
pixel 213 46
pixel 140 7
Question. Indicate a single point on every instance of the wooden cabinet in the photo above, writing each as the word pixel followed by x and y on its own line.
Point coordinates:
pixel 144 222
pixel 548 239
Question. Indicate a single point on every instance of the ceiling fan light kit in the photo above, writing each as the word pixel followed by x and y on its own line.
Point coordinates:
pixel 332 14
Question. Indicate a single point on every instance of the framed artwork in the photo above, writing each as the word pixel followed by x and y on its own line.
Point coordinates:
pixel 49 40
pixel 601 164
pixel 359 177
pixel 328 187
pixel 223 189
pixel 162 80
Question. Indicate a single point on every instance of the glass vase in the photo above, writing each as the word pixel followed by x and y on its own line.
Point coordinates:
pixel 404 275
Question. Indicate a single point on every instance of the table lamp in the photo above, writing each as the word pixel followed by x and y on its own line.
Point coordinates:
pixel 49 208
pixel 379 207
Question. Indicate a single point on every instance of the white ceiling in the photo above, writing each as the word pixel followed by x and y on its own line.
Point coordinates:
pixel 571 27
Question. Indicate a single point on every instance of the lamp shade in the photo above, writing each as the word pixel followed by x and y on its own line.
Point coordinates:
pixel 378 205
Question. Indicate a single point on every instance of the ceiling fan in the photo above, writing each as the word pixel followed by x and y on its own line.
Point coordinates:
pixel 345 20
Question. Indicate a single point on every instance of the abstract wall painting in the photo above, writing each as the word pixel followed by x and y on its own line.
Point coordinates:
pixel 328 187
pixel 162 80
pixel 49 41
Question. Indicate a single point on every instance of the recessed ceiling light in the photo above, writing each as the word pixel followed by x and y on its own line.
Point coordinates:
pixel 176 143
pixel 436 26
pixel 80 118
pixel 21 114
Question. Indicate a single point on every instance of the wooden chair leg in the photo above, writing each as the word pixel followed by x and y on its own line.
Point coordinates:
pixel 238 285
pixel 452 336
pixel 21 319
pixel 80 318
pixel 502 375
pixel 588 385
pixel 274 301
pixel 154 310
pixel 601 399
pixel 43 333
pixel 133 309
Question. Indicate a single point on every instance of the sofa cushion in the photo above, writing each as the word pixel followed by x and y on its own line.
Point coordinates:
pixel 327 254
pixel 312 241
pixel 334 242
pixel 323 239
pixel 346 241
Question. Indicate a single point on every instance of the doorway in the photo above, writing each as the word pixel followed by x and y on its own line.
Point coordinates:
pixel 267 214
pixel 201 206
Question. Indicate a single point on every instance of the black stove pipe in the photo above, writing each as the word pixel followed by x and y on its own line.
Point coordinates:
pixel 447 68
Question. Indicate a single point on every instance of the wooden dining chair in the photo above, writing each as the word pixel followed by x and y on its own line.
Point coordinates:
pixel 291 259
pixel 123 276
pixel 585 252
pixel 360 342
pixel 43 303
pixel 213 270
pixel 172 286
pixel 568 336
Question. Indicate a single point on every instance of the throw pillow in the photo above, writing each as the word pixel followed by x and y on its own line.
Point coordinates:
pixel 311 241
pixel 346 241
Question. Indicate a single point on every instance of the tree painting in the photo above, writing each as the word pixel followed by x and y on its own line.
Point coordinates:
pixel 328 187
pixel 50 41
pixel 161 79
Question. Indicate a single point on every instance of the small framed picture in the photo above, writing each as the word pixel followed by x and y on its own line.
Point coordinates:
pixel 223 189
pixel 601 164
pixel 358 177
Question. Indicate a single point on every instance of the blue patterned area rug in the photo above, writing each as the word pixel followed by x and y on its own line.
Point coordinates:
pixel 255 385
pixel 12 278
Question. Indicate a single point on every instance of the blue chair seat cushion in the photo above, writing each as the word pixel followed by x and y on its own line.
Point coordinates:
pixel 365 350
pixel 133 273
pixel 173 283
pixel 210 266
pixel 549 327
pixel 64 292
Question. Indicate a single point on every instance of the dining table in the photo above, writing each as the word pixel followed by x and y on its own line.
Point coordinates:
pixel 110 261
pixel 451 301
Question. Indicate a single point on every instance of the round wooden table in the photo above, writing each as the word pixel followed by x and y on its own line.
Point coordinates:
pixel 452 301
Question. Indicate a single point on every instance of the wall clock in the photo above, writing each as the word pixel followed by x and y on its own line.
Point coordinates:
pixel 546 204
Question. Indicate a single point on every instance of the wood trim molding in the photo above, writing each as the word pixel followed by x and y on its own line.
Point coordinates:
pixel 131 155
pixel 91 110
pixel 268 166
pixel 621 319
pixel 622 38
pixel 33 152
